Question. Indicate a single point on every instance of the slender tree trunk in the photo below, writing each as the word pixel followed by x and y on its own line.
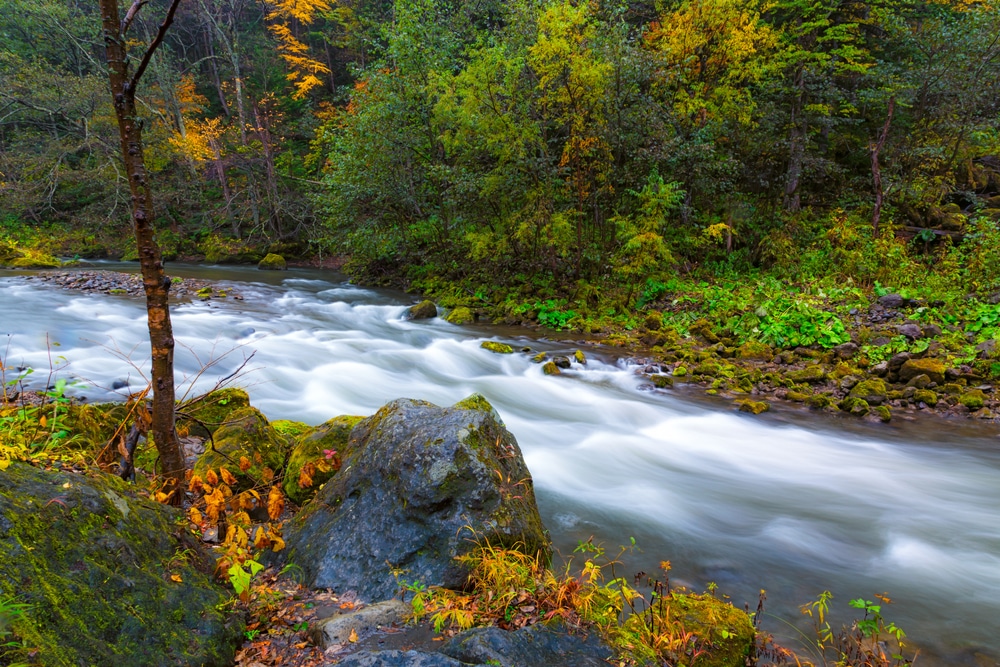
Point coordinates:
pixel 796 148
pixel 877 171
pixel 156 284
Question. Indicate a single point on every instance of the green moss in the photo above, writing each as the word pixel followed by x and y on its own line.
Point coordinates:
pixel 728 631
pixel 809 374
pixel 755 350
pixel 883 413
pixel 460 315
pixel 797 396
pixel 292 428
pixel 819 401
pixel 932 368
pixel 661 381
pixel 205 414
pixel 324 449
pixel 856 406
pixel 96 570
pixel 973 399
pixel 494 346
pixel 272 262
pixel 540 358
pixel 246 433
pixel 753 407
pixel 550 368
pixel 873 391
pixel 580 357
pixel 680 372
pixel 926 396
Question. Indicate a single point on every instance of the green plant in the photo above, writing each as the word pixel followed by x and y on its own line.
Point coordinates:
pixel 871 641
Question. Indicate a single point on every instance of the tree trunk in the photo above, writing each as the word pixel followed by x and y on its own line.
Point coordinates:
pixel 796 147
pixel 156 284
pixel 876 171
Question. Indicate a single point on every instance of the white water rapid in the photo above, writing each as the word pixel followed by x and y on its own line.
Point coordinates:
pixel 789 501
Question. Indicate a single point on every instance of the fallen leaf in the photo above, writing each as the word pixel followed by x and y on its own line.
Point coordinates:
pixel 176 577
pixel 353 636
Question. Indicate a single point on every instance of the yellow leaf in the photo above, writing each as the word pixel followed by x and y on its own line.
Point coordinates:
pixel 277 544
pixel 195 516
pixel 244 464
pixel 214 505
pixel 275 503
pixel 195 484
pixel 227 477
pixel 212 478
pixel 42 421
pixel 176 577
pixel 353 636
pixel 305 476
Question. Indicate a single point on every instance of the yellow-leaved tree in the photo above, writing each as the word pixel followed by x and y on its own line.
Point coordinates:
pixel 284 18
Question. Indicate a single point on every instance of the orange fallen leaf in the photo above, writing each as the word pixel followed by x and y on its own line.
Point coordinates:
pixel 176 577
pixel 353 636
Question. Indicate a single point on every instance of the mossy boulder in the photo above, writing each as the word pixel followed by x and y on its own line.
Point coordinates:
pixel 932 368
pixel 755 350
pixel 419 485
pixel 883 413
pixel 318 453
pixel 873 391
pixel 109 578
pixel 13 257
pixel 973 399
pixel 424 310
pixel 856 406
pixel 550 368
pixel 819 401
pixel 926 396
pixel 661 381
pixel 808 375
pixel 703 329
pixel 797 396
pixel 206 413
pixel 272 262
pixel 580 358
pixel 460 315
pixel 248 436
pixel 496 347
pixel 753 407
pixel 540 358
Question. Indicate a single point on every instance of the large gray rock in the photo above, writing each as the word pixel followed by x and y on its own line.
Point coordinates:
pixel 534 645
pixel 419 483
pixel 339 629
pixel 110 579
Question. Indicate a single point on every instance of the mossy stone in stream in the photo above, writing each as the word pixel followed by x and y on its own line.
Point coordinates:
pixel 856 406
pixel 873 391
pixel 540 358
pixel 110 579
pixel 550 368
pixel 819 401
pixel 753 407
pixel 726 631
pixel 926 396
pixel 424 310
pixel 496 347
pixel 460 315
pixel 973 399
pixel 883 413
pixel 580 357
pixel 680 372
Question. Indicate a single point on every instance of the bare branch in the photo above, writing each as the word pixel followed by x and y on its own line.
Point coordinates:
pixel 131 14
pixel 147 56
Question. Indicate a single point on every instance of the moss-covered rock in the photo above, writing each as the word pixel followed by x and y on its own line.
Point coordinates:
pixel 753 407
pixel 856 406
pixel 461 315
pixel 755 350
pixel 540 358
pixel 497 347
pixel 797 396
pixel 14 257
pixel 272 262
pixel 932 368
pixel 703 329
pixel 661 381
pixel 680 371
pixel 873 391
pixel 245 435
pixel 109 578
pixel 424 310
pixel 318 454
pixel 205 414
pixel 579 357
pixel 550 368
pixel 819 401
pixel 926 396
pixel 883 413
pixel 726 631
pixel 973 399
pixel 808 375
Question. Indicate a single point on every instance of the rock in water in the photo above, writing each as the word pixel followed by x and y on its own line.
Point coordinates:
pixel 424 310
pixel 419 484
pixel 110 579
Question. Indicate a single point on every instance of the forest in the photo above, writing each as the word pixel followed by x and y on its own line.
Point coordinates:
pixel 774 206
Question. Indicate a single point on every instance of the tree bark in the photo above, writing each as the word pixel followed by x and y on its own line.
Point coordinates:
pixel 156 284
pixel 877 171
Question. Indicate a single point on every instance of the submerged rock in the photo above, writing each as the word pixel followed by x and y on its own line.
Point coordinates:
pixel 110 579
pixel 496 347
pixel 419 484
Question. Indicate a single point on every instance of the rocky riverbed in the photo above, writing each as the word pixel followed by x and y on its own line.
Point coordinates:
pixel 130 284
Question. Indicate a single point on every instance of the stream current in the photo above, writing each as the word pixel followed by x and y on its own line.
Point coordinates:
pixel 789 501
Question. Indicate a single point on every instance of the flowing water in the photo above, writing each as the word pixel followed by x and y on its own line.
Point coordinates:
pixel 790 501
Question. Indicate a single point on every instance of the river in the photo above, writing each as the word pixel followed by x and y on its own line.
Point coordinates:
pixel 789 501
